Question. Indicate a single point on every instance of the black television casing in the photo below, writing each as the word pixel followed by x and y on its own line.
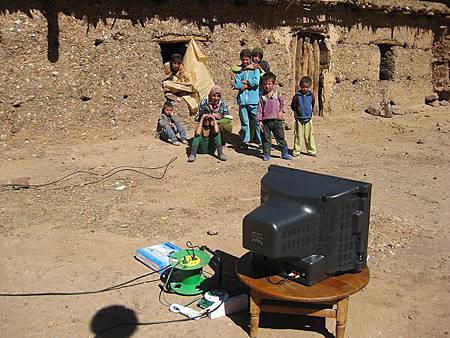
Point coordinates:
pixel 309 226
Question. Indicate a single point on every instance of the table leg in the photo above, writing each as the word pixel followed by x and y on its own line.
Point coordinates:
pixel 255 303
pixel 341 317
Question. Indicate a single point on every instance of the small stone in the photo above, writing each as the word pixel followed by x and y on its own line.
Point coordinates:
pixel 388 111
pixel 443 103
pixel 396 110
pixel 431 98
pixel 373 111
pixel 85 98
pixel 98 42
pixel 212 232
pixel 420 142
pixel 17 103
pixel 21 183
pixel 118 36
pixel 433 104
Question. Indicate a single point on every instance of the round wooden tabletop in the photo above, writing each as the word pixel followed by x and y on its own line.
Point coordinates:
pixel 329 290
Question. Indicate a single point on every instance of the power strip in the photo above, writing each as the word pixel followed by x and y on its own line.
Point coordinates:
pixel 229 306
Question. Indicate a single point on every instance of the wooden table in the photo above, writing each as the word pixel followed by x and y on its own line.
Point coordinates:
pixel 294 298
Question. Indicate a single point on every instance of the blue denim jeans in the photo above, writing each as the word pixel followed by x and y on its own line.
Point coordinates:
pixel 168 133
pixel 247 113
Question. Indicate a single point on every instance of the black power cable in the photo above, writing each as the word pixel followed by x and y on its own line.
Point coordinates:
pixel 200 316
pixel 101 333
pixel 102 177
pixel 77 293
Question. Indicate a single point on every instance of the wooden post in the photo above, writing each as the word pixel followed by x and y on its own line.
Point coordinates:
pixel 298 62
pixel 341 317
pixel 255 303
pixel 293 50
pixel 315 74
pixel 305 56
pixel 311 61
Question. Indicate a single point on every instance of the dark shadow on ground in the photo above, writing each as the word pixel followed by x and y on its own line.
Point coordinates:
pixel 251 150
pixel 230 281
pixel 115 321
pixel 284 321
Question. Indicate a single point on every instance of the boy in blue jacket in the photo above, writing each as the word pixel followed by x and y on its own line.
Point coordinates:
pixel 247 83
pixel 303 104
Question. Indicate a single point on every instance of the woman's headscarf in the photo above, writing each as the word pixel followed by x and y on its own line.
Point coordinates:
pixel 214 90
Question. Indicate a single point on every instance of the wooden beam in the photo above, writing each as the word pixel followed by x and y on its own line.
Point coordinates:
pixel 388 42
pixel 180 38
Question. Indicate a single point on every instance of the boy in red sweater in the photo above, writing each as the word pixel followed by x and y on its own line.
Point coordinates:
pixel 270 109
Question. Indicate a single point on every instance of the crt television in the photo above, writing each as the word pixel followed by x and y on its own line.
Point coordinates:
pixel 309 226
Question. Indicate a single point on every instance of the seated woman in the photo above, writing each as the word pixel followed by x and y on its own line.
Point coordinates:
pixel 207 138
pixel 215 105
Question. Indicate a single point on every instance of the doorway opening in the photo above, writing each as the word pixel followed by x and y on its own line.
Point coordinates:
pixel 168 49
pixel 387 63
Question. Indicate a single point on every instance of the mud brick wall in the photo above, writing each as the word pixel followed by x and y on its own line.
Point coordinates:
pixel 75 69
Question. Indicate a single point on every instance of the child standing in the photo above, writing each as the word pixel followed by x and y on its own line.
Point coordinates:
pixel 170 125
pixel 258 62
pixel 270 108
pixel 303 105
pixel 247 83
pixel 207 138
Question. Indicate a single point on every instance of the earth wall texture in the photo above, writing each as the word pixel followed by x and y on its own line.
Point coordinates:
pixel 74 69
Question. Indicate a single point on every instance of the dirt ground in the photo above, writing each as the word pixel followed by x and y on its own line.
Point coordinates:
pixel 83 238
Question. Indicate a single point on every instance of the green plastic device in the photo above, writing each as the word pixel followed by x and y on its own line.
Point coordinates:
pixel 186 276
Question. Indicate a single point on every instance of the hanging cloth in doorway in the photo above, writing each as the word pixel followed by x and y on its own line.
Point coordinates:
pixel 196 68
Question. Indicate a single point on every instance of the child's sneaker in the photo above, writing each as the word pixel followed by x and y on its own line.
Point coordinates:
pixel 266 158
pixel 192 158
pixel 174 142
pixel 244 146
pixel 184 141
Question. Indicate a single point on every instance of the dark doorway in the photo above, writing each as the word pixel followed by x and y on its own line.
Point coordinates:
pixel 387 64
pixel 168 49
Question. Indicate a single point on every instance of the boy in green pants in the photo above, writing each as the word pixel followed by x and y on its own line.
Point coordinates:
pixel 207 138
pixel 303 104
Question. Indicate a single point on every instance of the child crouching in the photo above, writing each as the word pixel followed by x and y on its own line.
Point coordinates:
pixel 270 109
pixel 207 138
pixel 170 125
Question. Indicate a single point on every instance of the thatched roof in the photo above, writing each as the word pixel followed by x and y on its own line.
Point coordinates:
pixel 428 8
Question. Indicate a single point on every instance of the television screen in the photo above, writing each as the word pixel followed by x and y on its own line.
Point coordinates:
pixel 309 226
